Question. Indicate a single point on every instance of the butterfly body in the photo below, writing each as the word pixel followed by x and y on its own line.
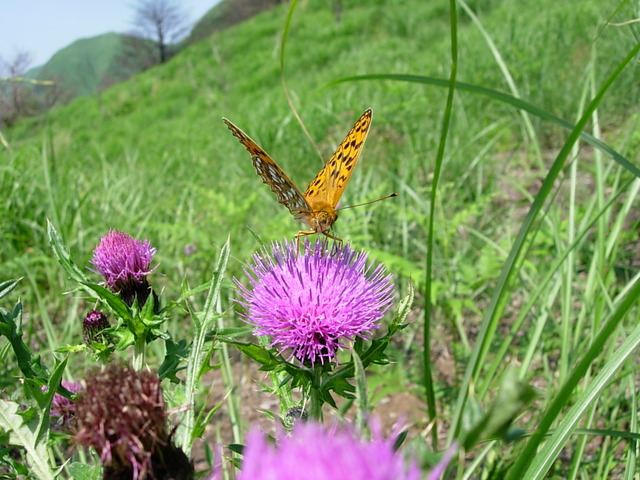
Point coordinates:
pixel 317 206
pixel 322 218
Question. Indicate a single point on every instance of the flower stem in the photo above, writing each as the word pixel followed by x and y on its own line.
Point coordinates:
pixel 315 409
pixel 138 352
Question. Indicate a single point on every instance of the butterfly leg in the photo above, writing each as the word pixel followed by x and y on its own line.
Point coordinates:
pixel 333 237
pixel 302 234
pixel 313 232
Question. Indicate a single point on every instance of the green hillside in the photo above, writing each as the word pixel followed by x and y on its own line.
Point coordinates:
pixel 225 14
pixel 87 65
pixel 34 72
pixel 152 157
pixel 157 141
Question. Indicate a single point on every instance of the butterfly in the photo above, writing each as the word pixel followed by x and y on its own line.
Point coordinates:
pixel 317 206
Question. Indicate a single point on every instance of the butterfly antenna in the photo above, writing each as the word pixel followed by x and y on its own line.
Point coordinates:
pixel 394 194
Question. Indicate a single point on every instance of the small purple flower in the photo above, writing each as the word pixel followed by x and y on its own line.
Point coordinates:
pixel 124 262
pixel 317 452
pixel 314 302
pixel 120 258
pixel 93 325
pixel 63 409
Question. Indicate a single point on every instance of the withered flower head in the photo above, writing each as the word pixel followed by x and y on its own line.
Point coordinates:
pixel 121 415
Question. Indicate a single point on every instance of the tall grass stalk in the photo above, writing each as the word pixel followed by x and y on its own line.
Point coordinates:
pixel 444 133
pixel 499 297
pixel 542 460
pixel 203 324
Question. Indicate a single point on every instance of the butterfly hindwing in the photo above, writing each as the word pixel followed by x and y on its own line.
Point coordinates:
pixel 329 184
pixel 271 174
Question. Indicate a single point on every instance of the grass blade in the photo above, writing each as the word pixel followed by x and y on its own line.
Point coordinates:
pixel 444 132
pixel 505 98
pixel 202 323
pixel 542 459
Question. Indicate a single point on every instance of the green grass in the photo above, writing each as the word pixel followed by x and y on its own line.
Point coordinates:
pixel 534 253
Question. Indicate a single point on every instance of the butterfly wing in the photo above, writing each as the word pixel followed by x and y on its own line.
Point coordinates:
pixel 271 174
pixel 329 184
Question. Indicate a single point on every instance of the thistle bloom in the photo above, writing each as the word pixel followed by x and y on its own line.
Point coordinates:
pixel 124 262
pixel 317 452
pixel 121 415
pixel 314 302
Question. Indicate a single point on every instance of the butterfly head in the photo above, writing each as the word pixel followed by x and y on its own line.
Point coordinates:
pixel 321 221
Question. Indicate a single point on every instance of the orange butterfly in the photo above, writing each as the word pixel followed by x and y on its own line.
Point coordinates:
pixel 317 207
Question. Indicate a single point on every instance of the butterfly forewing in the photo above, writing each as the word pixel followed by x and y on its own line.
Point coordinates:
pixel 329 184
pixel 271 174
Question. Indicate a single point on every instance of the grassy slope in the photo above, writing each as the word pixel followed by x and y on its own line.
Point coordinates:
pixel 209 22
pixel 223 15
pixel 151 155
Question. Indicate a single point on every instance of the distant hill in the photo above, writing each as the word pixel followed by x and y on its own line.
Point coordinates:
pixel 91 65
pixel 87 65
pixel 33 72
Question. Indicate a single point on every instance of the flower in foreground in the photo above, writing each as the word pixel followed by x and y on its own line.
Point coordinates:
pixel 314 302
pixel 121 414
pixel 125 262
pixel 318 452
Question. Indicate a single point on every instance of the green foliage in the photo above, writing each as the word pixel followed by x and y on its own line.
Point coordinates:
pixel 225 14
pixel 11 328
pixel 532 213
pixel 20 433
pixel 81 471
pixel 198 361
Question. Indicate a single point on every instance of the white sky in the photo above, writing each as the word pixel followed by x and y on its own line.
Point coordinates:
pixel 42 27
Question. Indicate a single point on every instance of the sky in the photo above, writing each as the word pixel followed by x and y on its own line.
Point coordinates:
pixel 42 27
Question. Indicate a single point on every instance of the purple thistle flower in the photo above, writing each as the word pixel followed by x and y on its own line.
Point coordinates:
pixel 317 452
pixel 124 262
pixel 314 302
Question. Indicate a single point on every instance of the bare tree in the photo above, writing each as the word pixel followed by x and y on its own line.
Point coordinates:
pixel 161 21
pixel 16 96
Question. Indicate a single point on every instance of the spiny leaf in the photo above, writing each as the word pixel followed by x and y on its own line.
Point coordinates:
pixel 22 435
